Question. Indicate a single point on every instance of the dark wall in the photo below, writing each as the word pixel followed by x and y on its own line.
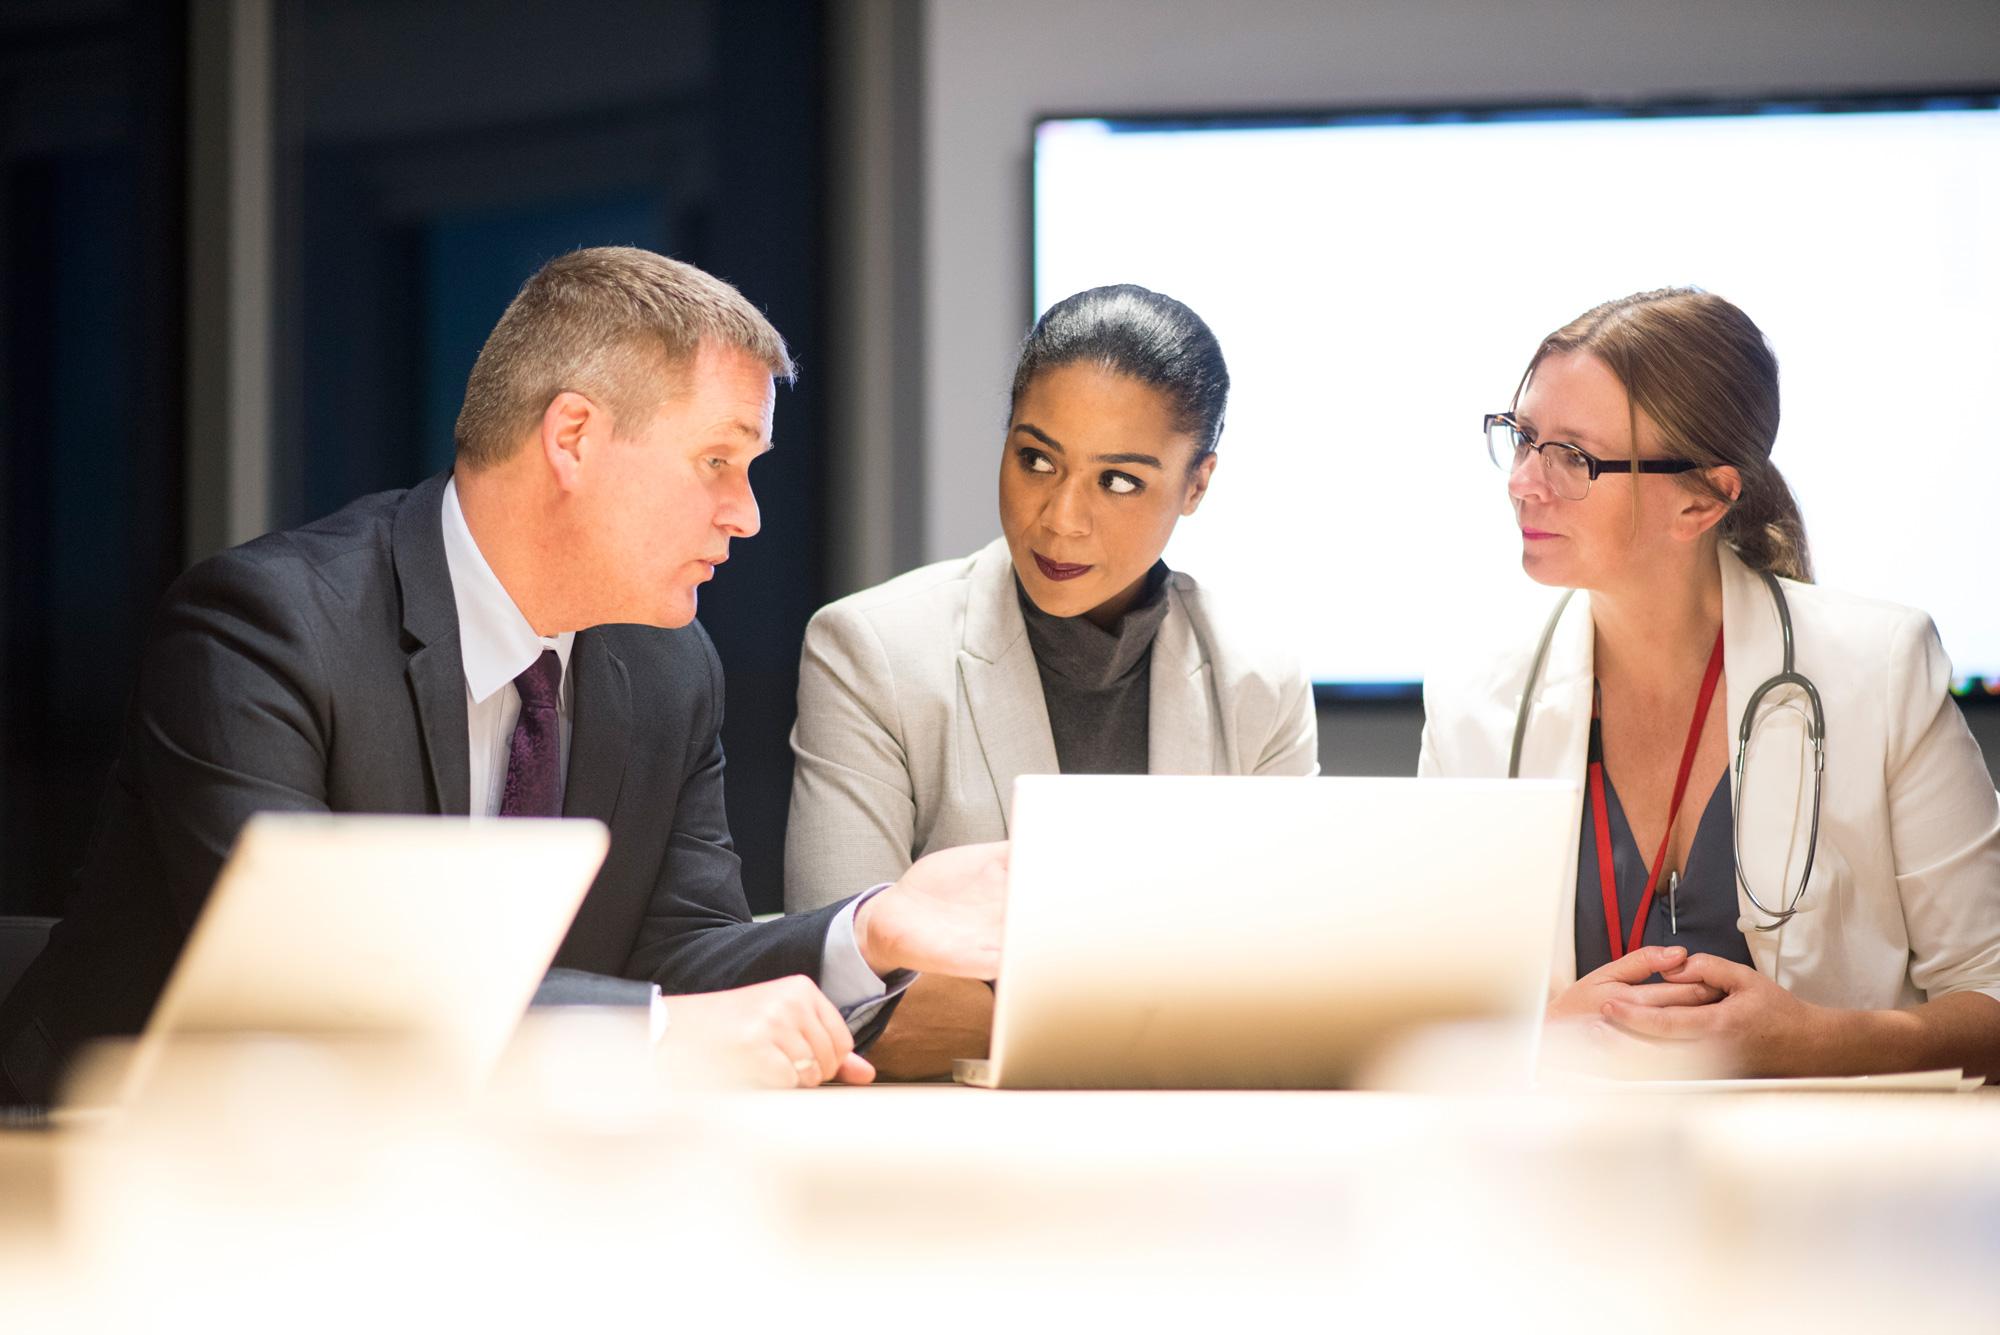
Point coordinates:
pixel 765 233
pixel 92 251
pixel 430 156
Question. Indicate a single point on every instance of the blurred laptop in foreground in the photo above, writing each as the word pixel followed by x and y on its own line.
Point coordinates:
pixel 420 939
pixel 1167 932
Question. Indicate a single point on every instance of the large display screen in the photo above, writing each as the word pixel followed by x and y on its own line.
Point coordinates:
pixel 1379 281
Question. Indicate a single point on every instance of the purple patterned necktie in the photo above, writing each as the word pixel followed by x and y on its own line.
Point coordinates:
pixel 534 756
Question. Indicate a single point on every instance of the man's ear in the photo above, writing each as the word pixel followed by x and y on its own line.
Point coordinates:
pixel 1198 485
pixel 1702 511
pixel 571 425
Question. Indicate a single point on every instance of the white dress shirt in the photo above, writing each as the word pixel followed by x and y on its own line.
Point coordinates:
pixel 497 644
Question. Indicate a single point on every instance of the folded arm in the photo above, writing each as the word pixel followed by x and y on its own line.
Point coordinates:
pixel 1758 1028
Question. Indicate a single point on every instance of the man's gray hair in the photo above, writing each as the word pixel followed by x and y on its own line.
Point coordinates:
pixel 617 324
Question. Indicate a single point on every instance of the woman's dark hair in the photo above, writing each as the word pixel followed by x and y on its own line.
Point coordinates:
pixel 1133 331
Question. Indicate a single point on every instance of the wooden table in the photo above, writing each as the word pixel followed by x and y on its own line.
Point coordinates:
pixel 933 1204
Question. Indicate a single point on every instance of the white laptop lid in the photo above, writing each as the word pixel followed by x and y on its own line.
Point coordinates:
pixel 1267 932
pixel 430 929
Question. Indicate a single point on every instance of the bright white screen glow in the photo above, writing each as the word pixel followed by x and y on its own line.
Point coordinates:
pixel 1377 287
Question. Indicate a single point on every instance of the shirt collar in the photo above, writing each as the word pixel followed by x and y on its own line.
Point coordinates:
pixel 495 641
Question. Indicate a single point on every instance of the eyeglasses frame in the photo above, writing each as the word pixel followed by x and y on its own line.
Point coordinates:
pixel 1595 465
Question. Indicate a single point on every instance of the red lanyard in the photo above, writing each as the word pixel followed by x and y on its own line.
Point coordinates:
pixel 1607 875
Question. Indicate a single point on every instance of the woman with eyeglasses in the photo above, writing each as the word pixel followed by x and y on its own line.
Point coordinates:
pixel 1789 843
pixel 1064 646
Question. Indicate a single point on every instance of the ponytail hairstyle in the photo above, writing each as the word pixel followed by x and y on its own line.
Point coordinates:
pixel 1704 373
pixel 1136 332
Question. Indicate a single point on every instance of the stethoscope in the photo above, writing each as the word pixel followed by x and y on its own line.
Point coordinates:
pixel 1815 732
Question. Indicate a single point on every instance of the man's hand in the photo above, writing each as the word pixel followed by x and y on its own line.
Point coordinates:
pixel 1757 1027
pixel 1624 980
pixel 943 916
pixel 779 1034
pixel 938 1020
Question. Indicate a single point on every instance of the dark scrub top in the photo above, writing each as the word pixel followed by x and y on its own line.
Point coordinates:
pixel 1097 682
pixel 1707 889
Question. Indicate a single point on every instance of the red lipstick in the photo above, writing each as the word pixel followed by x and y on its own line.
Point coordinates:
pixel 1058 570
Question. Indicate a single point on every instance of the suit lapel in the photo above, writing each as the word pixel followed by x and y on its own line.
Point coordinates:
pixel 600 731
pixel 1180 723
pixel 437 686
pixel 436 670
pixel 1003 687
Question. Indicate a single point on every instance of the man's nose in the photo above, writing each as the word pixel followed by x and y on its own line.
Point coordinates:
pixel 738 514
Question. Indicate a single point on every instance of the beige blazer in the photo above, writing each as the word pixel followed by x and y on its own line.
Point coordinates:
pixel 1904 900
pixel 920 702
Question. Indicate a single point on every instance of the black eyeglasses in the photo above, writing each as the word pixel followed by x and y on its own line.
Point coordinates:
pixel 1570 469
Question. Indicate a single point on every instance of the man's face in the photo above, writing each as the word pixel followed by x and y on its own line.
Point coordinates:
pixel 666 496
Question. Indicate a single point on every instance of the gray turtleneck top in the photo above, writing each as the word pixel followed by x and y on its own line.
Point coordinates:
pixel 1096 681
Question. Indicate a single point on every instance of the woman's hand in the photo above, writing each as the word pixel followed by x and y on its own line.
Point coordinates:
pixel 1624 981
pixel 1756 1027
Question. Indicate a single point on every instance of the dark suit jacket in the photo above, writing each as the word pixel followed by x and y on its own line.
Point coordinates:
pixel 319 670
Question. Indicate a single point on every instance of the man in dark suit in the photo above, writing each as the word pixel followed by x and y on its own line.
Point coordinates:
pixel 514 638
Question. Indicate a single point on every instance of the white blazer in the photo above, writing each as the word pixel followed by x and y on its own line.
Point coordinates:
pixel 920 702
pixel 1904 900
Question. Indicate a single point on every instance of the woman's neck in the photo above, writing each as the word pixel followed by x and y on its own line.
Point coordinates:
pixel 1660 628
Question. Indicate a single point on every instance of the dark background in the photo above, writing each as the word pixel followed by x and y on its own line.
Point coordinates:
pixel 430 156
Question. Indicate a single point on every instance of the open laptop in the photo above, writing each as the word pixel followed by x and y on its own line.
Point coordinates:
pixel 429 932
pixel 1167 932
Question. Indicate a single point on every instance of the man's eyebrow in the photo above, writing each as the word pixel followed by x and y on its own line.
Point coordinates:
pixel 752 432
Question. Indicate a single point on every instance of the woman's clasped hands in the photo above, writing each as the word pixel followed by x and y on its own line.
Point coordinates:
pixel 1661 1011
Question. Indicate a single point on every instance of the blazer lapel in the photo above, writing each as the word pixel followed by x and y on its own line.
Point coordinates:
pixel 1774 804
pixel 1003 687
pixel 1180 727
pixel 600 729
pixel 1557 745
pixel 436 670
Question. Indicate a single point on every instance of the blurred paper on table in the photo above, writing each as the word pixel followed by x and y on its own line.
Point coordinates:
pixel 1949 1081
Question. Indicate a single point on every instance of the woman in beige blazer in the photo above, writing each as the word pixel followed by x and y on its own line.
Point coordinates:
pixel 1638 452
pixel 1066 645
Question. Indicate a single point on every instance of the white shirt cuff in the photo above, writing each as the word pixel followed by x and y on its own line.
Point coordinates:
pixel 660 1021
pixel 853 988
